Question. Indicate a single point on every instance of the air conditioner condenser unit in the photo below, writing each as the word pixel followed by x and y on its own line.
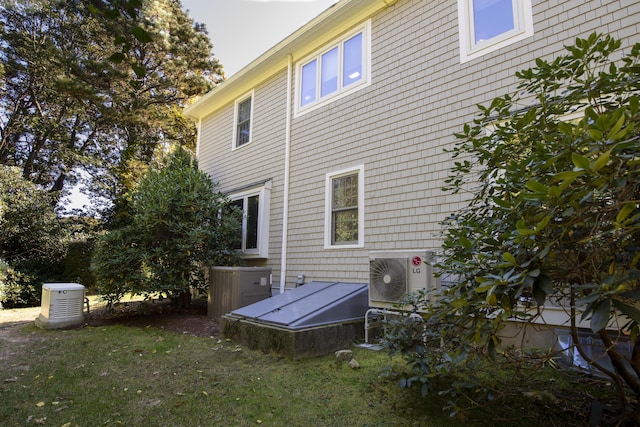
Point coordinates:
pixel 231 288
pixel 393 274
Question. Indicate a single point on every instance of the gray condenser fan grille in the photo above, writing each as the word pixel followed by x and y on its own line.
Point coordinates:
pixel 387 279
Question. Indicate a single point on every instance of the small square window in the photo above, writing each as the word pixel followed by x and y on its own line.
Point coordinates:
pixel 488 25
pixel 491 18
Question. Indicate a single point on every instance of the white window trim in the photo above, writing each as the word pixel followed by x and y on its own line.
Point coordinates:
pixel 523 29
pixel 264 209
pixel 328 208
pixel 365 29
pixel 235 120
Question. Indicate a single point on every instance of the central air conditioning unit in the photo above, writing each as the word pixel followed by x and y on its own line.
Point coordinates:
pixel 231 288
pixel 393 274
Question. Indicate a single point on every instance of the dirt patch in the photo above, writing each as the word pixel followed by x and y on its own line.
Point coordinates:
pixel 153 314
pixel 158 314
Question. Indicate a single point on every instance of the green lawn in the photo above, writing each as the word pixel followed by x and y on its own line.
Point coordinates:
pixel 117 375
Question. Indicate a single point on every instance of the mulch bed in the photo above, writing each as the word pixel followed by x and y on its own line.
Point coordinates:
pixel 158 314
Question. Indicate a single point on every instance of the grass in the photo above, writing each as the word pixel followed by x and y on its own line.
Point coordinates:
pixel 116 375
pixel 143 376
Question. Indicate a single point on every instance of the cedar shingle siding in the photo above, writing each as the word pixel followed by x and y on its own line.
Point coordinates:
pixel 397 127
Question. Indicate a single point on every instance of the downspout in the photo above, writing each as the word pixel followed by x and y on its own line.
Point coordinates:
pixel 198 136
pixel 287 154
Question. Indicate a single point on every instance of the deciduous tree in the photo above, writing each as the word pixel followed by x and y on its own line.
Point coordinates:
pixel 87 91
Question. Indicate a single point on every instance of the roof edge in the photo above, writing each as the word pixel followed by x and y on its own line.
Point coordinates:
pixel 275 59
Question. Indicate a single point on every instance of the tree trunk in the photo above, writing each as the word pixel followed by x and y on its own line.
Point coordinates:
pixel 184 299
pixel 617 361
pixel 635 359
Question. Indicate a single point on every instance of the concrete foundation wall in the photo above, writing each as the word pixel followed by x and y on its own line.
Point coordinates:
pixel 294 344
pixel 528 336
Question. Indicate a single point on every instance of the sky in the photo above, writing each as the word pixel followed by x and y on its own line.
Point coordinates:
pixel 242 30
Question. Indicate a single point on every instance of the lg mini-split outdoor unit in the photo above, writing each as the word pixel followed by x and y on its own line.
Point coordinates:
pixel 393 274
pixel 62 305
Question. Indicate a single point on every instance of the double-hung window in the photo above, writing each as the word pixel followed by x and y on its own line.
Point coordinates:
pixel 488 25
pixel 253 236
pixel 243 120
pixel 338 69
pixel 344 211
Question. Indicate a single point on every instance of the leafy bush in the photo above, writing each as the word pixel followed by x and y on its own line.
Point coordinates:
pixel 32 240
pixel 117 264
pixel 16 289
pixel 177 228
pixel 555 216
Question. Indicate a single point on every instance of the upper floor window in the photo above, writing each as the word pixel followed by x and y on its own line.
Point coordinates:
pixel 243 119
pixel 344 216
pixel 253 237
pixel 488 25
pixel 336 70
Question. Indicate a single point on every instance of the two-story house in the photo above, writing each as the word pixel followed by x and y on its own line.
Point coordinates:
pixel 332 142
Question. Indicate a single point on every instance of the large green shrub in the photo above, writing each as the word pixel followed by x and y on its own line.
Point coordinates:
pixel 32 240
pixel 555 217
pixel 16 288
pixel 176 229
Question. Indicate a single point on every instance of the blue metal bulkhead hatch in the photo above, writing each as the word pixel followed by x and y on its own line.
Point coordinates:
pixel 314 304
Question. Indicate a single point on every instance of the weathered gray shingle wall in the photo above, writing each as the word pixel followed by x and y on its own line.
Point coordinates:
pixel 397 128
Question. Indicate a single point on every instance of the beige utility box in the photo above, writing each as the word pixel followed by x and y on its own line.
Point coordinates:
pixel 235 287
